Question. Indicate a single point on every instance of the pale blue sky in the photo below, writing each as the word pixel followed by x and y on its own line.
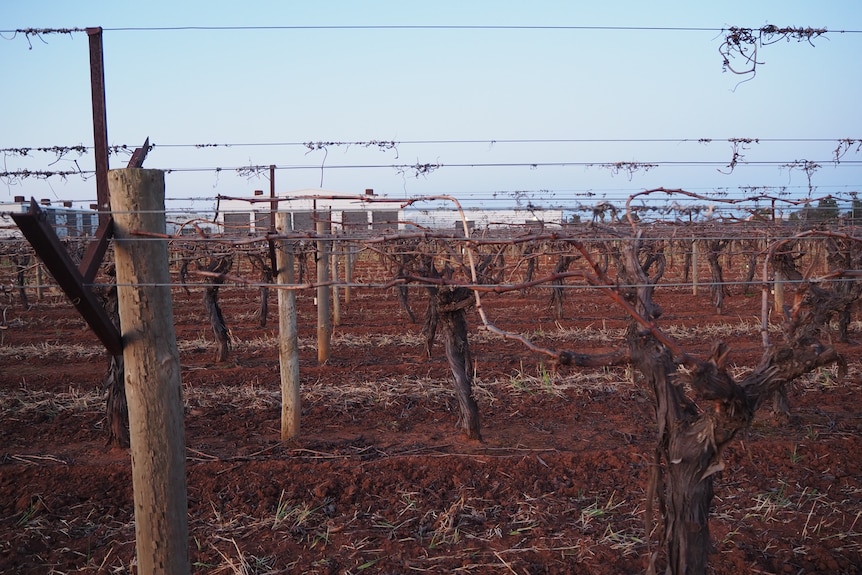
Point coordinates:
pixel 407 85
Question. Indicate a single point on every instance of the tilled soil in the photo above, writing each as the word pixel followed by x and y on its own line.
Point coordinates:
pixel 380 481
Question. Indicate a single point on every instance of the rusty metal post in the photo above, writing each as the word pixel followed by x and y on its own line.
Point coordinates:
pixel 100 121
pixel 273 208
pixel 273 203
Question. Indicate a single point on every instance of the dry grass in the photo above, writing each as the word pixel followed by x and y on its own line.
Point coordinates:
pixel 824 517
pixel 489 533
pixel 22 403
pixel 347 394
pixel 591 335
pixel 85 520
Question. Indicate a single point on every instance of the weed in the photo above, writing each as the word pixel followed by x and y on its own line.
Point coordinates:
pixel 767 504
pixel 33 509
pixel 368 564
pixel 795 456
pixel 242 564
pixel 598 509
pixel 518 381
pixel 547 379
pixel 729 537
pixel 281 511
pixel 621 541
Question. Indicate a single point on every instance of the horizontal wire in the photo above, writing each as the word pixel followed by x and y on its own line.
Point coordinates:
pixel 504 27
pixel 642 164
pixel 622 166
pixel 515 27
pixel 231 283
pixel 549 236
pixel 392 144
pixel 412 27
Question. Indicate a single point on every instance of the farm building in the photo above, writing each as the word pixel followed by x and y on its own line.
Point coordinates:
pixel 367 211
pixel 484 219
pixel 66 220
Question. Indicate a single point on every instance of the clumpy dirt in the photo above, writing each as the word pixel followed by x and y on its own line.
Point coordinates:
pixel 379 481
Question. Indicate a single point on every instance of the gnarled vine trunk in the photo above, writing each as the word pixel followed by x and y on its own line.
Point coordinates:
pixel 116 405
pixel 217 322
pixel 843 254
pixel 432 318
pixel 266 278
pixel 452 304
pixel 21 262
pixel 717 287
pixel 691 436
pixel 557 293
pixel 447 307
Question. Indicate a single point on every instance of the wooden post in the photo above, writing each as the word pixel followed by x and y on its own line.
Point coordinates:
pixel 324 329
pixel 694 267
pixel 336 304
pixel 288 346
pixel 153 385
pixel 348 272
pixel 764 300
pixel 778 295
pixel 40 289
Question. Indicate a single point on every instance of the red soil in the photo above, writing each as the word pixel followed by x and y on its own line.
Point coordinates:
pixel 379 480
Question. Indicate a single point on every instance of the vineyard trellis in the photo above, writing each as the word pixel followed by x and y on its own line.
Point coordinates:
pixel 700 407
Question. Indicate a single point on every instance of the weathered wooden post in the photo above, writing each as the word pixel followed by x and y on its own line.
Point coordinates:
pixel 778 294
pixel 694 278
pixel 336 304
pixel 288 346
pixel 348 272
pixel 153 385
pixel 40 289
pixel 324 328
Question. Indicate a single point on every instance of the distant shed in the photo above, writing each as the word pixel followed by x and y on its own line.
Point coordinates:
pixel 361 213
pixel 66 220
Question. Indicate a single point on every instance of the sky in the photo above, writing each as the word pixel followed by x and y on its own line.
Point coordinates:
pixel 496 103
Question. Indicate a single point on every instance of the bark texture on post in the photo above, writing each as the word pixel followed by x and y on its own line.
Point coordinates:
pixel 333 274
pixel 695 276
pixel 288 344
pixel 324 327
pixel 349 260
pixel 152 368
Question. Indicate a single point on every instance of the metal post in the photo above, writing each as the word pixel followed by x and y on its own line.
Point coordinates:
pixel 100 121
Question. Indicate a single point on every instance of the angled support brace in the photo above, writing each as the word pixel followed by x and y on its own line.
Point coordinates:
pixel 36 229
pixel 96 250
